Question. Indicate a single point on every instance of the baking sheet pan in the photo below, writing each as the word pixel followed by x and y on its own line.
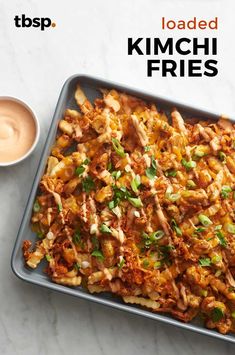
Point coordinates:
pixel 91 86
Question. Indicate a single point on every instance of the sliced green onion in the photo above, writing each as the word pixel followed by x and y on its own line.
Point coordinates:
pixel 203 293
pixel 153 162
pixel 86 161
pixel 173 197
pixel 40 235
pixel 98 254
pixel 111 205
pixel 188 164
pixel 218 273
pixel 218 227
pixel 147 148
pixel 221 238
pixel 79 170
pixel 225 190
pixel 77 237
pixel 88 184
pixel 145 263
pixel 204 262
pixel 95 242
pixel 77 266
pixel 136 202
pixel 48 257
pixel 110 166
pixel 121 264
pixel 150 173
pixel 36 206
pixel 199 153
pixel 175 227
pixel 157 264
pixel 157 235
pixel 190 184
pixel 216 259
pixel 200 230
pixel 118 148
pixel 230 228
pixel 60 208
pixel 105 229
pixel 152 170
pixel 217 314
pixel 135 183
pixel 116 174
pixel 222 156
pixel 171 172
pixel 205 221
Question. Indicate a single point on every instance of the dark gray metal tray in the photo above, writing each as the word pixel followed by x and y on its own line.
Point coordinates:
pixel 91 87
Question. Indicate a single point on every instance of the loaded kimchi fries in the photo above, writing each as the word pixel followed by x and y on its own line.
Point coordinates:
pixel 141 204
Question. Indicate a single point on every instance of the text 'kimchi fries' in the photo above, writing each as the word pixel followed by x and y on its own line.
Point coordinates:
pixel 143 208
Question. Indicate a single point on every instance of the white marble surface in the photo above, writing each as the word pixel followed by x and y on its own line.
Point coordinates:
pixel 91 37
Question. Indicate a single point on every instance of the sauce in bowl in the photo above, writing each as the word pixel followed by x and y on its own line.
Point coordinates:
pixel 18 130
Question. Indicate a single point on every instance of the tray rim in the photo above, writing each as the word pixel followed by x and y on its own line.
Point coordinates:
pixel 76 292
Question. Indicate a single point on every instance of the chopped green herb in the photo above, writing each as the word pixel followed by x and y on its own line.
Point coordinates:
pixel 175 227
pixel 116 174
pixel 135 183
pixel 225 190
pixel 217 314
pixel 231 289
pixel 171 172
pixel 147 148
pixel 88 184
pixel 136 202
pixel 60 208
pixel 105 229
pixel 205 221
pixel 121 264
pixel 79 170
pixel 36 206
pixel 98 254
pixel 118 148
pixel 188 164
pixel 222 156
pixel 77 237
pixel 230 228
pixel 48 257
pixel 205 262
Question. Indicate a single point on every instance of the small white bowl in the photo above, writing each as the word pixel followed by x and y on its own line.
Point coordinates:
pixel 37 127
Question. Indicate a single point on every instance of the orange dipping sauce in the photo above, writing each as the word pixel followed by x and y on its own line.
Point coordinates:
pixel 17 130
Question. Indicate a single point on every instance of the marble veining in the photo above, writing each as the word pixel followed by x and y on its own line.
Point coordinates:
pixel 91 37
